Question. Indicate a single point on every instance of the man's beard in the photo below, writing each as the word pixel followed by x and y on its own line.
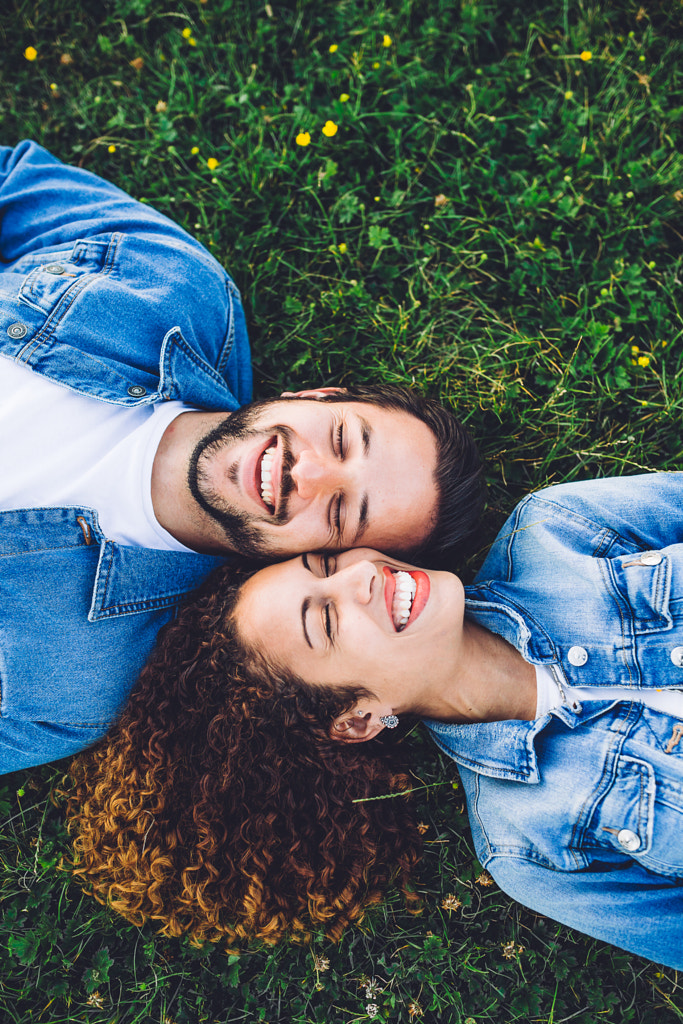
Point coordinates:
pixel 240 529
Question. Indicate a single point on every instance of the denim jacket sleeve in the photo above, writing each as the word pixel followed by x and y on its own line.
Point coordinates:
pixel 108 297
pixel 609 905
pixel 633 513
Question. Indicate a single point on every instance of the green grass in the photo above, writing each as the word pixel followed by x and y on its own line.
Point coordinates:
pixel 497 222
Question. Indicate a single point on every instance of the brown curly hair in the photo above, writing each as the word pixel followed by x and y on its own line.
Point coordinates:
pixel 219 807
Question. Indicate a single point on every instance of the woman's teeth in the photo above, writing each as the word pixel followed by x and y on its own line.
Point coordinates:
pixel 266 471
pixel 402 601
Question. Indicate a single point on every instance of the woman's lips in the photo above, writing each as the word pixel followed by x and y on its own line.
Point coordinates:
pixel 421 594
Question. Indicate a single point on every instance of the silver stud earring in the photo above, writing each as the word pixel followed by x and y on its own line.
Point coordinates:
pixel 390 721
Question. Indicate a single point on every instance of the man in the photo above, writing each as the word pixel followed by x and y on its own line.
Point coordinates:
pixel 128 469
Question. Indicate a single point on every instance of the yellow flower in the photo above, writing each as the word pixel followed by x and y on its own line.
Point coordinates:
pixel 634 350
pixel 194 150
pixel 111 149
pixel 53 86
pixel 303 139
pixel 334 47
pixel 375 64
pixel 187 32
pixel 30 53
pixel 212 163
pixel 192 41
pixel 344 98
pixel 569 94
pixel 330 129
pixel 586 55
pixel 342 247
pixel 386 41
pixel 643 360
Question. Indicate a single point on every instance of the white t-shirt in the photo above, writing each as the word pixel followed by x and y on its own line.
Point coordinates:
pixel 62 448
pixel 548 695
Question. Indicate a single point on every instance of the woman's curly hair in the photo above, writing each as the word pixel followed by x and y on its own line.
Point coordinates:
pixel 218 805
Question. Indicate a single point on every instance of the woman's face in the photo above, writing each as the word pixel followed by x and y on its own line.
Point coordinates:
pixel 356 617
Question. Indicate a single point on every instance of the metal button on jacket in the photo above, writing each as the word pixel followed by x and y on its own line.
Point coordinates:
pixel 17 330
pixel 577 656
pixel 137 391
pixel 628 840
pixel 54 268
pixel 651 557
pixel 677 657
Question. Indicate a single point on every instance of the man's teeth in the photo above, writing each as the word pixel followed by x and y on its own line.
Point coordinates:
pixel 266 472
pixel 402 601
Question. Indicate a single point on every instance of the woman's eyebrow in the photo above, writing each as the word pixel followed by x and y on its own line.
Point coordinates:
pixel 305 606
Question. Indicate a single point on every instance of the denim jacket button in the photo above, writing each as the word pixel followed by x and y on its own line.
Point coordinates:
pixel 677 657
pixel 17 330
pixel 137 391
pixel 577 656
pixel 651 558
pixel 628 840
pixel 54 268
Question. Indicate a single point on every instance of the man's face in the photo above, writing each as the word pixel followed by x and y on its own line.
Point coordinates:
pixel 294 475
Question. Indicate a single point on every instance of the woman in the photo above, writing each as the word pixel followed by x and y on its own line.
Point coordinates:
pixel 553 683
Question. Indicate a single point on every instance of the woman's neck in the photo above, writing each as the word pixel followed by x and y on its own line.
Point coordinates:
pixel 491 682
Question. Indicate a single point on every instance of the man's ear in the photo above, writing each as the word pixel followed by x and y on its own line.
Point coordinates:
pixel 352 727
pixel 313 393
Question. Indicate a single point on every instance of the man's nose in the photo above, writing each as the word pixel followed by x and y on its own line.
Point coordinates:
pixel 314 475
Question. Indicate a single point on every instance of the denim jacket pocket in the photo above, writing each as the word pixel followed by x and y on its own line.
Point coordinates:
pixel 641 583
pixel 642 817
pixel 59 278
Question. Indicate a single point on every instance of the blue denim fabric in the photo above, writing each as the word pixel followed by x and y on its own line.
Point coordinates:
pixel 579 814
pixel 138 305
pixel 109 298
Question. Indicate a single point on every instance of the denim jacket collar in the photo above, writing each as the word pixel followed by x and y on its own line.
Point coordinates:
pixel 131 580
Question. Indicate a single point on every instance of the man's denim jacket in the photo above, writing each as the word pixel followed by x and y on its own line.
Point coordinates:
pixel 107 297
pixel 579 814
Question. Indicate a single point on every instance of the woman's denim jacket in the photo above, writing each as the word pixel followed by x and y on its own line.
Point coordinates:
pixel 579 814
pixel 106 297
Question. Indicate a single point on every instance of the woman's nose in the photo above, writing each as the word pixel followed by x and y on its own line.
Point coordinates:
pixel 357 581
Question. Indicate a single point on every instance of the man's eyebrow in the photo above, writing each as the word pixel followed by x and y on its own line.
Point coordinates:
pixel 365 435
pixel 362 521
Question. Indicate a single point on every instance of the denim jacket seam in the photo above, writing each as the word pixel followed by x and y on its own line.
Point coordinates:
pixel 611 587
pixel 144 604
pixel 229 338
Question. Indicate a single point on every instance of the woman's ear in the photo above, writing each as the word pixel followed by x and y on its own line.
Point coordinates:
pixel 355 726
pixel 312 393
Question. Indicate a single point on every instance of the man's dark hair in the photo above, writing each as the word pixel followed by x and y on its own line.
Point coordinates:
pixel 461 490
